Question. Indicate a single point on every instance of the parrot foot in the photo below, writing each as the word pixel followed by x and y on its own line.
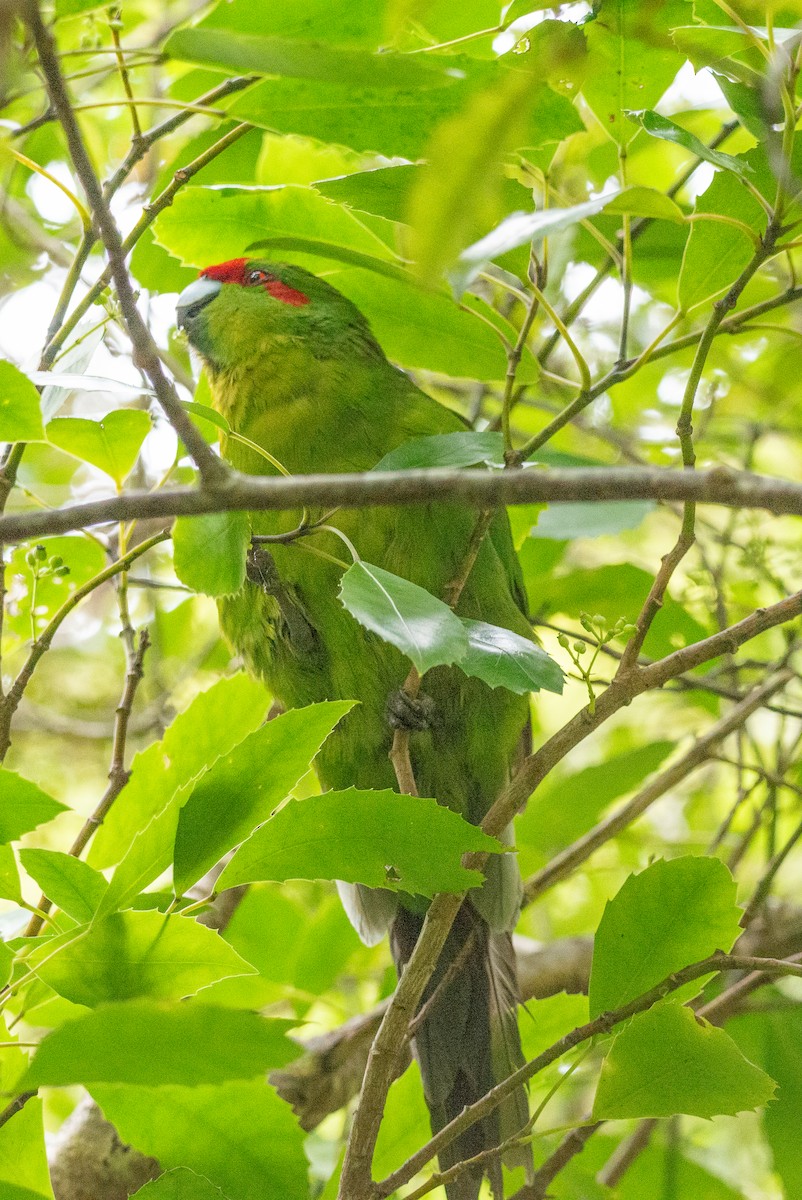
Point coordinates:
pixel 261 570
pixel 415 714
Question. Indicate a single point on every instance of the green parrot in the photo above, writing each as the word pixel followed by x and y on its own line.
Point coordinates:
pixel 293 366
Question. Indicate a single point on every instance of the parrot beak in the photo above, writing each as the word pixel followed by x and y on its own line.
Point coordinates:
pixel 195 297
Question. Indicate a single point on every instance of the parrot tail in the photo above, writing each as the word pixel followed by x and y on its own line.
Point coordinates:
pixel 468 1041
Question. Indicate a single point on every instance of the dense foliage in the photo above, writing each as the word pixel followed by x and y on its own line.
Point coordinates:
pixel 579 227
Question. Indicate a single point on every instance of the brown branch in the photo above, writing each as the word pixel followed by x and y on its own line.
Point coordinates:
pixel 579 851
pixel 118 775
pixel 719 486
pixel 212 469
pixel 572 1144
pixel 654 601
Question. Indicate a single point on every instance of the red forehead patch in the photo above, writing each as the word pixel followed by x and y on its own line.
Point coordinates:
pixel 232 271
pixel 236 270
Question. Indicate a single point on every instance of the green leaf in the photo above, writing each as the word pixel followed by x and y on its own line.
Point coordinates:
pixel 9 875
pixel 209 552
pixel 668 131
pixel 383 191
pixel 111 444
pixel 23 1162
pixel 72 885
pixel 623 71
pixel 668 916
pixel 24 806
pixel 462 449
pixel 132 955
pixel 645 202
pixel 215 721
pixel 243 787
pixel 180 1184
pixel 229 219
pixel 717 252
pixel 597 519
pixel 410 618
pixel 668 1061
pixel 240 1136
pixel 298 59
pixel 501 658
pixel 518 229
pixel 20 414
pixel 382 839
pixel 154 1043
pixel 84 557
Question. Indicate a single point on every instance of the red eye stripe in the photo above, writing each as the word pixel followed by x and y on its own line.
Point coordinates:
pixel 283 291
pixel 236 271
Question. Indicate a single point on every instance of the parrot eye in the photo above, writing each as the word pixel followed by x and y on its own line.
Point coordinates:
pixel 258 276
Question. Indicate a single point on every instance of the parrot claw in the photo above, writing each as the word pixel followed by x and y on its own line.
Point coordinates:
pixel 415 714
pixel 261 570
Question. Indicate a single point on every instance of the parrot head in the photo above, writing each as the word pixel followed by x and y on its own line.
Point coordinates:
pixel 244 309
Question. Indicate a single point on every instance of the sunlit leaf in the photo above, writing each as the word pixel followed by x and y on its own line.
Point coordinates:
pixel 242 788
pixel 186 1043
pixel 670 915
pixel 68 882
pixel 24 806
pixel 501 658
pixel 111 444
pixel 417 623
pixel 20 414
pixel 209 552
pixel 378 838
pixel 132 955
pixel 668 1061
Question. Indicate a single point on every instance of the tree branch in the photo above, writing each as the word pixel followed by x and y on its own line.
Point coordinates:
pixel 719 486
pixel 212 469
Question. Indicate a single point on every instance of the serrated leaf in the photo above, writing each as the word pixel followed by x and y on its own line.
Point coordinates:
pixel 132 955
pixel 383 190
pixel 153 1043
pixel 668 1061
pixel 381 839
pixel 501 658
pixel 461 449
pixel 241 1136
pixel 111 444
pixel 20 413
pixel 24 806
pixel 421 626
pixel 670 915
pixel 242 788
pixel 216 721
pixel 209 552
pixel 668 131
pixel 71 884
